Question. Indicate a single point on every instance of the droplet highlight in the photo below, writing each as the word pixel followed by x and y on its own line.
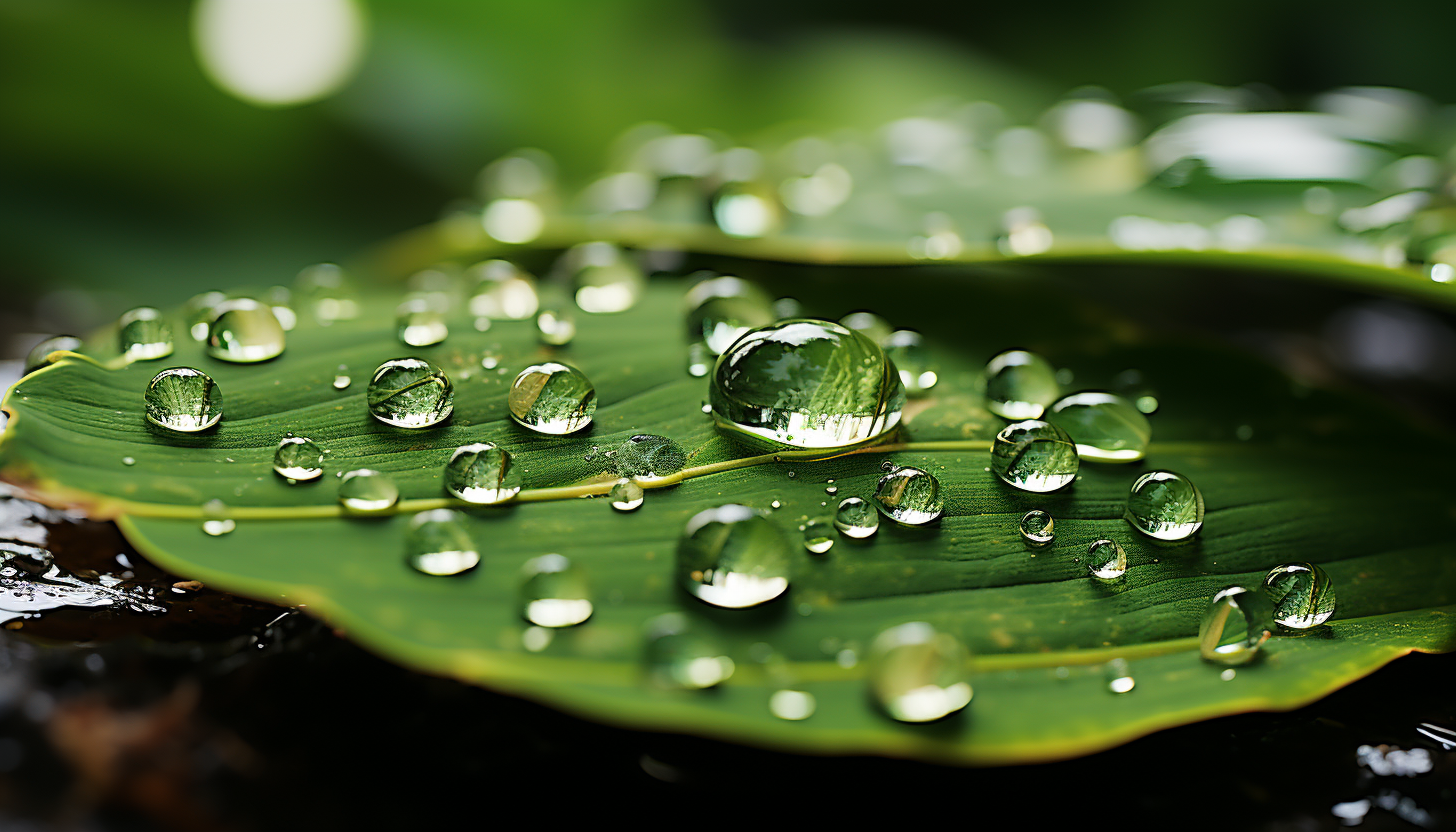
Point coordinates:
pixel 145 335
pixel 626 495
pixel 1020 385
pixel 298 459
pixel 554 592
pixel 244 331
pixel 856 518
pixel 1037 528
pixel 437 543
pixel 1105 427
pixel 732 557
pixel 1233 627
pixel 1106 560
pixel 367 492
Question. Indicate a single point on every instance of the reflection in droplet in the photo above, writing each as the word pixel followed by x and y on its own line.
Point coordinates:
pixel 1106 428
pixel 555 326
pixel 298 459
pixel 419 324
pixel 856 518
pixel 39 355
pixel 919 674
pixel 910 496
pixel 1233 627
pixel 145 335
pixel 244 331
pixel 647 456
pixel 732 557
pixel 552 398
pixel 1119 676
pixel 1165 505
pixel 606 279
pixel 1302 594
pixel 1106 560
pixel 184 400
pixel 482 473
pixel 722 308
pixel 437 543
pixel 410 393
pixel 1020 385
pixel 1037 528
pixel 554 592
pixel 1034 456
pixel 367 492
pixel 626 495
pixel 502 291
pixel 818 537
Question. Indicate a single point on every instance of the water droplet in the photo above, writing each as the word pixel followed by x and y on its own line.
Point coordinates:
pixel 436 542
pixel 489 361
pixel 184 400
pixel 244 331
pixel 626 495
pixel 218 528
pixel 1106 560
pixel 502 291
pixel 808 384
pixel 732 557
pixel 647 456
pixel 1106 428
pixel 869 325
pixel 919 674
pixel 606 279
pixel 1119 676
pixel 554 593
pixel 514 221
pixel 856 518
pixel 700 359
pixel 215 521
pixel 1147 404
pixel 482 473
pixel 1036 528
pixel 342 382
pixel 418 325
pixel 1020 385
pixel 818 537
pixel 831 490
pixel 39 355
pixel 410 393
pixel 722 308
pixel 552 398
pixel 298 458
pixel 792 705
pixel 678 657
pixel 367 492
pixel 775 505
pixel 1023 233
pixel 128 461
pixel 1165 505
pixel 911 357
pixel 1302 594
pixel 1233 627
pixel 555 327
pixel 910 496
pixel 747 210
pixel 145 335
pixel 1034 456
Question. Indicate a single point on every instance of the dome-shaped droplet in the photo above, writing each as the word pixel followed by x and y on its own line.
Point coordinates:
pixel 215 522
pixel 856 518
pixel 183 399
pixel 721 309
pixel 869 325
pixel 420 325
pixel 39 355
pixel 919 674
pixel 437 543
pixel 1020 385
pixel 818 537
pixel 910 496
pixel 555 326
pixel 244 331
pixel 1165 505
pixel 606 279
pixel 792 705
pixel 806 384
pixel 326 291
pixel 482 473
pixel 410 393
pixel 912 358
pixel 502 291
pixel 700 359
pixel 342 381
pixel 626 495
pixel 1037 528
pixel 678 657
pixel 1233 627
pixel 747 210
pixel 552 398
pixel 1106 560
pixel 367 492
pixel 298 459
pixel 733 557
pixel 1105 427
pixel 1302 594
pixel 1034 456
pixel 1118 675
pixel 145 335
pixel 554 593
pixel 647 456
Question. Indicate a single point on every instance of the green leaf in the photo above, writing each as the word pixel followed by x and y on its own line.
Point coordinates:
pixel 1319 481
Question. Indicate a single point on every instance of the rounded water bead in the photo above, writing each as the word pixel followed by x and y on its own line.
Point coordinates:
pixel 1034 456
pixel 1165 505
pixel 1020 385
pixel 342 382
pixel 555 326
pixel 747 210
pixel 732 557
pixel 39 355
pixel 502 291
pixel 1105 427
pixel 552 398
pixel 215 522
pixel 419 325
pixel 367 492
pixel 806 384
pixel 721 309
pixel 1037 528
pixel 1118 674
pixel 184 400
pixel 410 393
pixel 818 537
pixel 910 496
pixel 678 657
pixel 906 348
pixel 244 331
pixel 1233 627
pixel 856 518
pixel 626 495
pixel 482 473
pixel 554 593
pixel 606 278
pixel 792 705
pixel 145 335
pixel 1106 560
pixel 918 673
pixel 1302 594
pixel 437 543
pixel 700 359
pixel 298 459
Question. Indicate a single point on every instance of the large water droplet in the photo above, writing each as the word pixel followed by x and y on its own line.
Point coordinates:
pixel 1233 627
pixel 678 657
pixel 1165 505
pixel 606 279
pixel 919 674
pixel 1106 428
pixel 555 326
pixel 1106 560
pixel 818 537
pixel 410 393
pixel 732 557
pixel 869 325
pixel 39 355
pixel 807 384
pixel 1034 456
pixel 910 496
pixel 482 473
pixel 856 518
pixel 1037 528
pixel 183 399
pixel 145 335
pixel 912 358
pixel 554 593
pixel 626 495
pixel 552 398
pixel 1118 674
pixel 1020 385
pixel 244 331
pixel 367 492
pixel 437 543
pixel 502 291
pixel 1302 594
pixel 326 291
pixel 420 325
pixel 648 457
pixel 721 309
pixel 298 458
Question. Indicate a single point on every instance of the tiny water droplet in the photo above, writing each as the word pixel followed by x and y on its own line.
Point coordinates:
pixel 678 657
pixel 410 393
pixel 833 489
pixel 1106 560
pixel 792 705
pixel 367 492
pixel 856 518
pixel 342 382
pixel 626 495
pixel 502 291
pixel 732 557
pixel 1105 427
pixel 552 398
pixel 1036 528
pixel 420 325
pixel 919 674
pixel 1228 674
pixel 128 461
pixel 482 473
pixel 298 458
pixel 910 496
pixel 1119 676
pixel 437 543
pixel 554 592
pixel 1233 627
pixel 721 309
pixel 244 331
pixel 490 361
pixel 1020 385
pixel 145 335
pixel 1034 456
pixel 1165 505
pixel 555 327
pixel 1302 594
pixel 818 537
pixel 184 400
